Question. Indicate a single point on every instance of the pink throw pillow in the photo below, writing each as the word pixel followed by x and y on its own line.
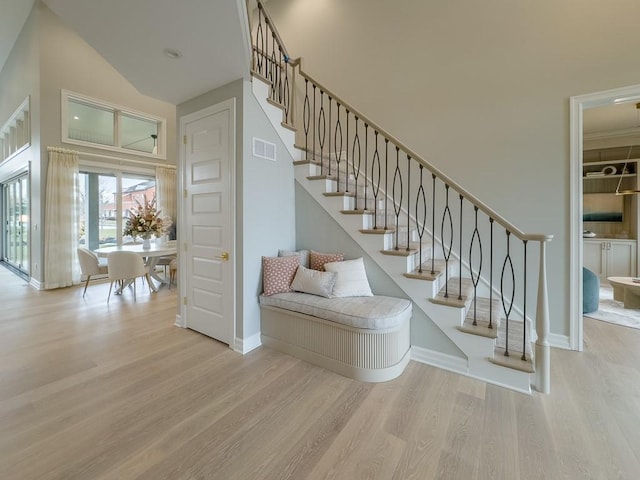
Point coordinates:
pixel 278 273
pixel 317 259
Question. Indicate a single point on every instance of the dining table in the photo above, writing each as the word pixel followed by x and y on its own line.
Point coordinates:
pixel 150 255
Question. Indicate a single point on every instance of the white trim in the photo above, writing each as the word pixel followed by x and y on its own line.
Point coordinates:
pixel 36 284
pixel 560 341
pixel 577 105
pixel 244 346
pixel 440 360
pixel 179 322
pixel 117 110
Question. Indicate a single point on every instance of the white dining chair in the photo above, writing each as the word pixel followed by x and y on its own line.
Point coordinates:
pixel 124 267
pixel 90 265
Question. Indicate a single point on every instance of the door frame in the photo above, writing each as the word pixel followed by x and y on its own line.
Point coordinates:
pixel 183 271
pixel 577 105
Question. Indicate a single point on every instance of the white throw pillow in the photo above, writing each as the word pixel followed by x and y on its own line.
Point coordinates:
pixel 314 282
pixel 352 278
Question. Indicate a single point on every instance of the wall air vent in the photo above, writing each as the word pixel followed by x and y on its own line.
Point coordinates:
pixel 264 149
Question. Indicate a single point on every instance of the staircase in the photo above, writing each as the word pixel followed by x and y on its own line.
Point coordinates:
pixel 461 263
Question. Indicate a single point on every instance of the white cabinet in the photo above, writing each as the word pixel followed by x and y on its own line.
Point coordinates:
pixel 608 257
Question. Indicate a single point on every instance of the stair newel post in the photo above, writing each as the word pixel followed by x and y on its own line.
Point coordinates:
pixel 306 119
pixel 507 309
pixel 420 225
pixel 408 203
pixel 446 252
pixel 397 206
pixel 524 303
pixel 490 272
pixel 356 171
pixel 315 133
pixel 321 131
pixel 475 277
pixel 433 224
pixel 375 182
pixel 386 183
pixel 338 149
pixel 543 354
pixel 460 250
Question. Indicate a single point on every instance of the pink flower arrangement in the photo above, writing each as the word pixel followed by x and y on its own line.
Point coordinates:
pixel 145 221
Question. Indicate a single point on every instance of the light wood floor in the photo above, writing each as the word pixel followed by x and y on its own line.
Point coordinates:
pixel 94 391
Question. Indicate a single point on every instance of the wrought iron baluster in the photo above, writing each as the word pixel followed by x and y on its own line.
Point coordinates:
pixel 321 131
pixel 287 92
pixel 397 207
pixel 475 276
pixel 366 156
pixel 306 119
pixel 259 55
pixel 280 69
pixel 386 183
pixel 490 272
pixel 433 224
pixel 356 171
pixel 507 311
pixel 346 163
pixel 408 206
pixel 274 71
pixel 524 306
pixel 446 253
pixel 375 182
pixel 338 150
pixel 420 225
pixel 315 134
pixel 329 146
pixel 460 250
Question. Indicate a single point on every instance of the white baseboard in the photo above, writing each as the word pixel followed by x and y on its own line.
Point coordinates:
pixel 439 359
pixel 35 283
pixel 246 345
pixel 179 322
pixel 559 341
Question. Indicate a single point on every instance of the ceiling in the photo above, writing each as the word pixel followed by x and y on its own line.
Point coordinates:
pixel 211 35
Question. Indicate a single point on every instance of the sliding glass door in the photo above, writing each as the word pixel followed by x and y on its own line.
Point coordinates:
pixel 15 199
pixel 106 200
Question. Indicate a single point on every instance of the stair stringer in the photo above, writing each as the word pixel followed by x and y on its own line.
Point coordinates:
pixel 476 349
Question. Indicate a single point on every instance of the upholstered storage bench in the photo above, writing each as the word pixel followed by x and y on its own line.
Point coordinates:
pixel 364 338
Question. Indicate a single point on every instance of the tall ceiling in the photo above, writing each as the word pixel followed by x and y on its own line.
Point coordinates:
pixel 211 35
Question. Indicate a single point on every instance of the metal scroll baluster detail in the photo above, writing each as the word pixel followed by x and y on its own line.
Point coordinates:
pixel 338 150
pixel 490 272
pixel 321 131
pixel 280 69
pixel 306 119
pixel 446 253
pixel 287 91
pixel 386 183
pixel 375 182
pixel 475 274
pixel 507 311
pixel 329 146
pixel 259 55
pixel 397 206
pixel 433 224
pixel 315 135
pixel 460 250
pixel 408 201
pixel 366 154
pixel 524 306
pixel 420 225
pixel 346 152
pixel 272 64
pixel 356 170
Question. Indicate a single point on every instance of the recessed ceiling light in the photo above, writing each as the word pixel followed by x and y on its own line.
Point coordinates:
pixel 171 53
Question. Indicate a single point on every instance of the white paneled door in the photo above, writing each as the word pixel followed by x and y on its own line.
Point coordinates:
pixel 208 142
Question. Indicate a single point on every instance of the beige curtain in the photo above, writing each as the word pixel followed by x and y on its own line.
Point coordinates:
pixel 167 199
pixel 61 267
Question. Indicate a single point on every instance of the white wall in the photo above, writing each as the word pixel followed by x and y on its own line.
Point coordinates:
pixel 479 89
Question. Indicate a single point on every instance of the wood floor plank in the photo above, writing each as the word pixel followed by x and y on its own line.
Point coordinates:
pixel 90 391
